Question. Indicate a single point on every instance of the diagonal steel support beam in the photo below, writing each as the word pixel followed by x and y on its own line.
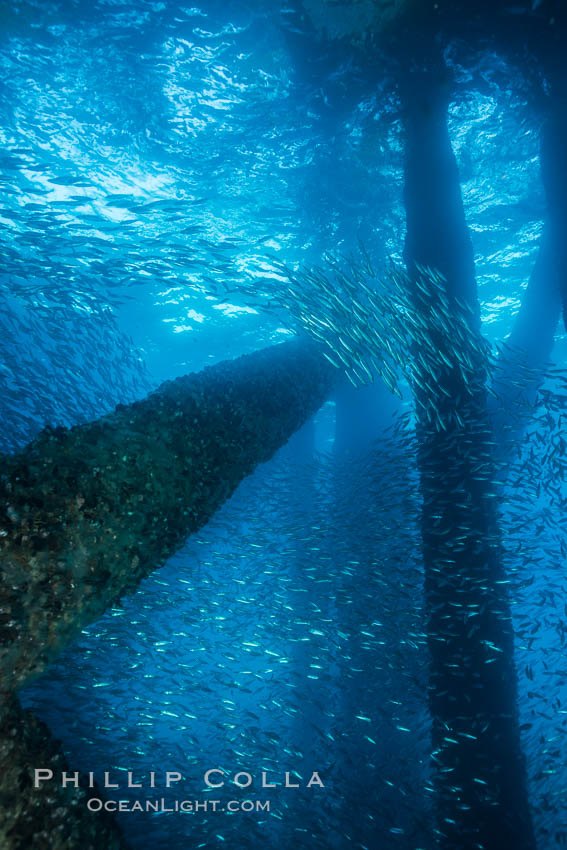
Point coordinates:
pixel 87 512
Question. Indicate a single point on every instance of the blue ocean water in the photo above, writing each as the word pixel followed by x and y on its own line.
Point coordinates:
pixel 156 158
